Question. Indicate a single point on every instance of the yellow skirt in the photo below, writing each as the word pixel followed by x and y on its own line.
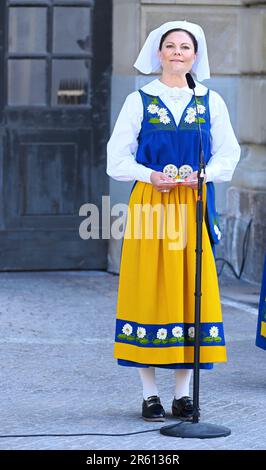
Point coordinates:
pixel 155 308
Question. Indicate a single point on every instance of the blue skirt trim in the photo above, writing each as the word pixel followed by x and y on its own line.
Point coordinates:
pixel 122 362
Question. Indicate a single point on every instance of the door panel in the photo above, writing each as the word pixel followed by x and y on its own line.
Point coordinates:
pixel 51 176
pixel 27 32
pixel 32 82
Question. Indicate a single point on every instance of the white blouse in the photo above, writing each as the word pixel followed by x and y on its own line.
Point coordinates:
pixel 123 144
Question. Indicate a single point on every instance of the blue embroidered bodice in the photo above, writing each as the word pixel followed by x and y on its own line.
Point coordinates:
pixel 162 141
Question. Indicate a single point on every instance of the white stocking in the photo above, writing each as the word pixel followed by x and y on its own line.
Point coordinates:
pixel 147 376
pixel 182 379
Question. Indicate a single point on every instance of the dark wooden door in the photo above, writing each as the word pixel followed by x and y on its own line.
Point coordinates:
pixel 54 104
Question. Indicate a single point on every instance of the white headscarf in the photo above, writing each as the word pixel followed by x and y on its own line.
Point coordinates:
pixel 148 60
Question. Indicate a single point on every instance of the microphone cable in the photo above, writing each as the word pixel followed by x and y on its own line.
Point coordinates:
pixel 12 436
pixel 245 246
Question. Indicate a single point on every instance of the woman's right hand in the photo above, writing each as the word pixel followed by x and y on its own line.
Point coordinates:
pixel 157 180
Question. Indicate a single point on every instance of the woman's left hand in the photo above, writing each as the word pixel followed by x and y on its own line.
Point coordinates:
pixel 192 180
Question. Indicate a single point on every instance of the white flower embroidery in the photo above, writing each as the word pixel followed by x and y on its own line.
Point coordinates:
pixel 190 118
pixel 164 119
pixel 153 109
pixel 162 112
pixel 191 111
pixel 201 109
pixel 141 332
pixel 162 333
pixel 177 331
pixel 127 329
pixel 217 231
pixel 214 331
pixel 191 332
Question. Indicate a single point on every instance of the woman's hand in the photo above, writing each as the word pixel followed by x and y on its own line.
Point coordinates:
pixel 192 180
pixel 158 178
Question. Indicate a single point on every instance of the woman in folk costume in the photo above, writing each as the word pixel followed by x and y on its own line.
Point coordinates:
pixel 156 143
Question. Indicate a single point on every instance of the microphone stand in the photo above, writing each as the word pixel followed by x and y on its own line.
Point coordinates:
pixel 195 429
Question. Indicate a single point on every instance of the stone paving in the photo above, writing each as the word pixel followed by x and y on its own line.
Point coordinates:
pixel 58 374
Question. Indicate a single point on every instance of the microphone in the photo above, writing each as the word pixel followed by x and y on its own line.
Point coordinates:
pixel 192 86
pixel 190 81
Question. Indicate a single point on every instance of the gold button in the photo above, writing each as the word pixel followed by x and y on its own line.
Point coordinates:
pixel 185 170
pixel 171 170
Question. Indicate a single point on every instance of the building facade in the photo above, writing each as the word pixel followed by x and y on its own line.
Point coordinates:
pixel 67 66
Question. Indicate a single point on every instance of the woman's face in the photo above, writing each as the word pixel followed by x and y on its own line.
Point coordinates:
pixel 177 54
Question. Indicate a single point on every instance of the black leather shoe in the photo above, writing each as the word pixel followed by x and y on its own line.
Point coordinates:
pixel 152 410
pixel 183 408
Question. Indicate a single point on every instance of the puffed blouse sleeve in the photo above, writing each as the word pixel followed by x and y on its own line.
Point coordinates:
pixel 123 143
pixel 225 150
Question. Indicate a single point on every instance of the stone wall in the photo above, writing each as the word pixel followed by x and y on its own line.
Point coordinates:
pixel 235 32
pixel 246 197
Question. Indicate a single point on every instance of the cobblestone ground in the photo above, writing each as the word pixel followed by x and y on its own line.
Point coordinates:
pixel 59 376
